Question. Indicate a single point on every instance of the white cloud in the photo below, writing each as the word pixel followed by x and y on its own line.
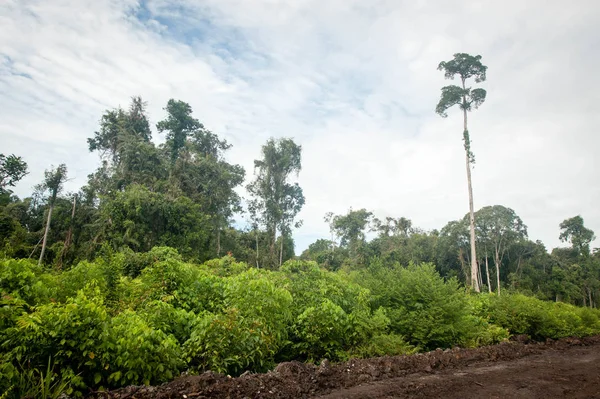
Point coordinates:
pixel 354 82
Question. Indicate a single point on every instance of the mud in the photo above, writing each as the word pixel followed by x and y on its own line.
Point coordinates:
pixel 567 368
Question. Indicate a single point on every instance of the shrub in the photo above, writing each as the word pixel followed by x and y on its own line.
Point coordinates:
pixel 225 266
pixel 71 334
pixel 230 343
pixel 74 279
pixel 257 297
pixel 136 353
pixel 165 317
pixel 309 284
pixel 186 286
pixel 25 279
pixel 422 307
pixel 320 331
pixel 521 314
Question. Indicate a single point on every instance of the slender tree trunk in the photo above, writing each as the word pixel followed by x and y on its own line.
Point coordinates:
pixel 281 251
pixel 487 271
pixel 518 272
pixel 272 247
pixel 69 236
pixel 461 258
pixel 46 233
pixel 474 282
pixel 257 265
pixel 497 262
pixel 590 298
pixel 479 276
pixel 218 242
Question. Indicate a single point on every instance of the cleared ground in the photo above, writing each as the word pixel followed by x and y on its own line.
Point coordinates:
pixel 568 368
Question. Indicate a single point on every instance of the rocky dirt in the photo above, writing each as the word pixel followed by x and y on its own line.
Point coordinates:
pixel 567 368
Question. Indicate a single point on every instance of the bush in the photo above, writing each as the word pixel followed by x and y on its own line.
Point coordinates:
pixel 309 284
pixel 320 331
pixel 165 317
pixel 225 266
pixel 25 279
pixel 73 280
pixel 136 353
pixel 521 314
pixel 257 297
pixel 251 331
pixel 71 334
pixel 230 343
pixel 428 311
pixel 186 286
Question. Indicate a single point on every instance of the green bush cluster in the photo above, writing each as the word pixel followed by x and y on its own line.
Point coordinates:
pixel 539 319
pixel 130 318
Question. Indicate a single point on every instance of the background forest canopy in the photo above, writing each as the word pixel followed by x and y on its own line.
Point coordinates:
pixel 184 194
pixel 142 274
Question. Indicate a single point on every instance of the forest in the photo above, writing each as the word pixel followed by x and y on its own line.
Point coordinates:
pixel 142 273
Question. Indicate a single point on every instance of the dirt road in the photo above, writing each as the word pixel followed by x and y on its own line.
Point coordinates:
pixel 568 368
pixel 573 372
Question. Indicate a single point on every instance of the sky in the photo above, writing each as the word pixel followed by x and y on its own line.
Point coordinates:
pixel 355 82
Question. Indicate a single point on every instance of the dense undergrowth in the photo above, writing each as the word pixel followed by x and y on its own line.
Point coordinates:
pixel 144 318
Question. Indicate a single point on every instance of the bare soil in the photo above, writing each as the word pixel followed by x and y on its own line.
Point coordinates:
pixel 566 368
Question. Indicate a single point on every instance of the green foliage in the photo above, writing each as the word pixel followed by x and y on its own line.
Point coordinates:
pixel 427 310
pixel 103 328
pixel 575 232
pixel 165 317
pixel 71 281
pixel 22 278
pixel 178 223
pixel 383 345
pixel 539 319
pixel 137 354
pixel 185 285
pixel 230 343
pixel 225 266
pixel 36 383
pixel 72 334
pixel 12 169
pixel 321 331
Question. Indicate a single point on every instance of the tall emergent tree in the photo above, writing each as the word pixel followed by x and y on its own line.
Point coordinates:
pixel 573 231
pixel 178 125
pixel 53 183
pixel 276 202
pixel 465 66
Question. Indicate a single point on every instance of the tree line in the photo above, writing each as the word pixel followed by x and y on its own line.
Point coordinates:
pixel 506 258
pixel 184 194
pixel 180 194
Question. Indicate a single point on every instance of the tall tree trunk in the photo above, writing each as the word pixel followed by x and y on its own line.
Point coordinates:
pixel 464 269
pixel 281 251
pixel 474 282
pixel 590 297
pixel 69 236
pixel 218 242
pixel 479 276
pixel 46 233
pixel 497 262
pixel 272 246
pixel 257 265
pixel 487 271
